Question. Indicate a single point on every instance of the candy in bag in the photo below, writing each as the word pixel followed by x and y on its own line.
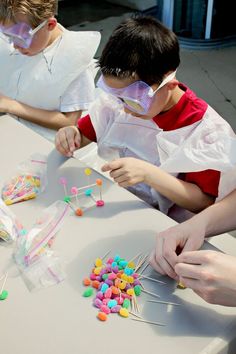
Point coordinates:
pixel 29 180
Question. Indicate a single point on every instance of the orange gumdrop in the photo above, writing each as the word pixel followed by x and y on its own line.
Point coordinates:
pixel 79 212
pixel 87 281
pixel 98 182
pixel 95 284
pixel 102 316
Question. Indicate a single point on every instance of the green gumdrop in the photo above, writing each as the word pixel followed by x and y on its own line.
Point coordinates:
pixel 105 276
pixel 126 303
pixel 88 292
pixel 67 199
pixel 4 295
pixel 137 290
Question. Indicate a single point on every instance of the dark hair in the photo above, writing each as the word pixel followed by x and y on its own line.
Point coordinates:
pixel 140 45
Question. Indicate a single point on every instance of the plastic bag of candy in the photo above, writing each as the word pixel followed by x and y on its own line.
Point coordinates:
pixel 29 180
pixel 10 227
pixel 39 265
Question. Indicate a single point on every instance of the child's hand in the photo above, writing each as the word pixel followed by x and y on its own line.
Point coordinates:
pixel 126 171
pixel 68 140
pixel 187 236
pixel 211 275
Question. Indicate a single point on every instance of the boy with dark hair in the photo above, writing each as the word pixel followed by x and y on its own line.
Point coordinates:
pixel 164 144
pixel 46 71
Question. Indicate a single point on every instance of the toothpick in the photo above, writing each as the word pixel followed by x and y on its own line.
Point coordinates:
pixel 93 198
pixel 4 282
pixel 141 263
pixel 132 259
pixel 89 185
pixel 144 268
pixel 149 278
pixel 106 254
pixel 164 302
pixel 150 293
pixel 146 321
pixel 134 314
pixel 2 277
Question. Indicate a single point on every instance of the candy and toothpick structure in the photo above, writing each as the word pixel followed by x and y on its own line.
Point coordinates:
pixel 73 199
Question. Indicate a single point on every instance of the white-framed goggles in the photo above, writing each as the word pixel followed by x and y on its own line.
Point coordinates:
pixel 21 34
pixel 138 96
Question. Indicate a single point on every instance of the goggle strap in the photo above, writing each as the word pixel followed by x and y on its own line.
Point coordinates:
pixel 36 29
pixel 167 79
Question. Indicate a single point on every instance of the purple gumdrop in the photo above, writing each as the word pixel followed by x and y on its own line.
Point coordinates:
pixel 97 303
pixel 100 295
pixel 115 309
pixel 136 282
pixel 109 282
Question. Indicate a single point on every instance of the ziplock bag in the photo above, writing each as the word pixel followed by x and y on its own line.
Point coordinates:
pixel 38 263
pixel 29 180
pixel 10 227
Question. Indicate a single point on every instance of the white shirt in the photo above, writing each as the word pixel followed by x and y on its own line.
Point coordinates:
pixel 61 77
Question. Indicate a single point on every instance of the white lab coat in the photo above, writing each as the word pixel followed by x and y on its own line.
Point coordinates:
pixel 58 78
pixel 207 144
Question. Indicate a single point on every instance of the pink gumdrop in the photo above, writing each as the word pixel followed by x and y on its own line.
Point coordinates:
pixel 99 203
pixel 105 301
pixel 93 276
pixel 63 181
pixel 108 293
pixel 74 190
pixel 110 260
pixel 119 300
pixel 105 309
pixel 112 276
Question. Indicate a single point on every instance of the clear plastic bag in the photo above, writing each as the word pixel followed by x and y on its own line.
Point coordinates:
pixel 39 265
pixel 30 179
pixel 10 227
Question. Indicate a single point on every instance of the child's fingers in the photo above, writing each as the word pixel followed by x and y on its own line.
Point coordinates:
pixel 106 167
pixel 113 165
pixel 62 144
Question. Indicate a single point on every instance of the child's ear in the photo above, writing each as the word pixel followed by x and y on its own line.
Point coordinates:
pixel 52 22
pixel 172 84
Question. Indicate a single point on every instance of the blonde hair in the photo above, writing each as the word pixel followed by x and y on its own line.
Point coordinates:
pixel 36 10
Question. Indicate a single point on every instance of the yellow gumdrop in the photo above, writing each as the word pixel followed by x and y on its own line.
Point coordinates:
pixel 124 277
pixel 131 265
pixel 130 280
pixel 181 286
pixel 130 292
pixel 98 262
pixel 97 270
pixel 122 285
pixel 8 201
pixel 124 312
pixel 88 171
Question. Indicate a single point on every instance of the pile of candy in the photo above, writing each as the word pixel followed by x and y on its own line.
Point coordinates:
pixel 20 188
pixel 117 284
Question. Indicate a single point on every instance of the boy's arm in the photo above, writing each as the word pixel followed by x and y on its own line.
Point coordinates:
pixel 130 171
pixel 49 119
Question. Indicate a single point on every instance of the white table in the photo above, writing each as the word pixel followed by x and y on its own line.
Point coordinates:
pixel 58 320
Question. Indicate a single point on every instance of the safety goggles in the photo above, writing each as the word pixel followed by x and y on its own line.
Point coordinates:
pixel 138 96
pixel 21 34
